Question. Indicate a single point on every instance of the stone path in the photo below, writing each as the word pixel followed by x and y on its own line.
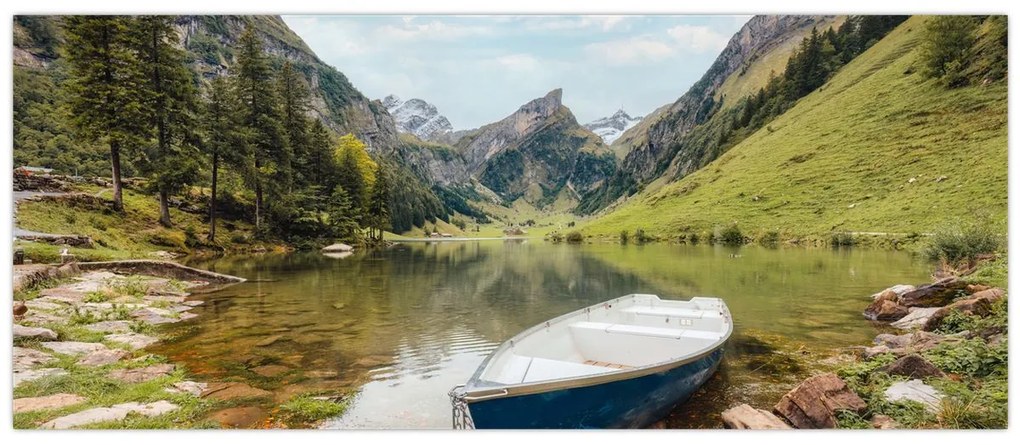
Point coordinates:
pixel 163 302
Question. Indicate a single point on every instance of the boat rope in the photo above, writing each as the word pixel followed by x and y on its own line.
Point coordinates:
pixel 461 415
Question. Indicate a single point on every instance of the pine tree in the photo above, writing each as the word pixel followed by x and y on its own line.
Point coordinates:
pixel 223 140
pixel 105 86
pixel 319 166
pixel 379 205
pixel 294 102
pixel 260 118
pixel 342 220
pixel 170 102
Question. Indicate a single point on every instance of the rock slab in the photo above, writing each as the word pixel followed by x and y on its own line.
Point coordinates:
pixel 33 333
pixel 916 318
pixel 115 412
pixel 54 401
pixel 232 391
pixel 72 347
pixel 939 293
pixel 138 375
pixel 915 390
pixel 814 403
pixel 746 417
pixel 102 357
pixel 136 341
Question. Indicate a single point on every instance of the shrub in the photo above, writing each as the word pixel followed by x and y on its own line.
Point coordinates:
pixel 555 237
pixel 623 236
pixel 946 48
pixel 307 409
pixel 731 235
pixel 641 237
pixel 459 222
pixel 95 297
pixel 840 239
pixel 693 238
pixel 962 243
pixel 769 239
pixel 575 237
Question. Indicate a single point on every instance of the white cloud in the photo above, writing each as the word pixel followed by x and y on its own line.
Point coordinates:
pixel 434 30
pixel 698 39
pixel 518 62
pixel 632 51
pixel 555 23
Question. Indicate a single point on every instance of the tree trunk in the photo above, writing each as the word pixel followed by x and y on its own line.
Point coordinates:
pixel 258 205
pixel 118 199
pixel 212 200
pixel 164 207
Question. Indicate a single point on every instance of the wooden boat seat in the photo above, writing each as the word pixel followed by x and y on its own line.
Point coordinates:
pixel 671 312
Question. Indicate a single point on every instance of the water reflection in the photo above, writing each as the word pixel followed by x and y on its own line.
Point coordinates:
pixel 400 327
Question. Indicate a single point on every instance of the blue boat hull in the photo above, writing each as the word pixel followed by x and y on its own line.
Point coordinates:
pixel 631 403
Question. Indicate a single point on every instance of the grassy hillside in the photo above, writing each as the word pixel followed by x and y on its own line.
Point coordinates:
pixel 877 149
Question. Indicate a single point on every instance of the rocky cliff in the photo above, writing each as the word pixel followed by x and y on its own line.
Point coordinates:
pixel 537 152
pixel 418 117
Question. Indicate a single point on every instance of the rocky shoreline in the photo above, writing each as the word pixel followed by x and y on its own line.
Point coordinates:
pixel 80 333
pixel 901 373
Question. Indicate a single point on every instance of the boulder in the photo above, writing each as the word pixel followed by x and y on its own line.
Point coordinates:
pixel 25 332
pixel 72 347
pixel 814 403
pixel 745 417
pixel 916 318
pixel 915 390
pixel 887 294
pixel 885 310
pixel 979 304
pixel 893 341
pixel 338 247
pixel 939 293
pixel 54 401
pixel 232 391
pixel 873 351
pixel 974 288
pixel 102 357
pixel 139 375
pixel 901 289
pixel 913 366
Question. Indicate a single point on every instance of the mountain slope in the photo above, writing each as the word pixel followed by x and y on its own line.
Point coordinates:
pixel 417 117
pixel 876 149
pixel 537 153
pixel 652 146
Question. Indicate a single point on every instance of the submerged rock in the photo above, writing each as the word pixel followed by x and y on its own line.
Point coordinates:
pixel 746 417
pixel 232 391
pixel 813 404
pixel 916 391
pixel 241 417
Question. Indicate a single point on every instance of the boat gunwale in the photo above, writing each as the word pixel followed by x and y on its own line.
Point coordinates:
pixel 473 393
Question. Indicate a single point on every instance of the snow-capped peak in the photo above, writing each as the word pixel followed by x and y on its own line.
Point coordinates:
pixel 610 128
pixel 417 117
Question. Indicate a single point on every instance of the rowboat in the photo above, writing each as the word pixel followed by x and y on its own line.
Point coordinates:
pixel 623 363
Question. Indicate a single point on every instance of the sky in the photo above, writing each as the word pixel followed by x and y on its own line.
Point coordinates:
pixel 479 69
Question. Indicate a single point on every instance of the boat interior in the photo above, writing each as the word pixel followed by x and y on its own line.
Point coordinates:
pixel 630 332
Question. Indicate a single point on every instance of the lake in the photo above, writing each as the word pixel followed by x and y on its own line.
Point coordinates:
pixel 396 329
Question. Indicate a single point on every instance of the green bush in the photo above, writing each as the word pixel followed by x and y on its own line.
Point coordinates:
pixel 624 236
pixel 575 237
pixel 962 243
pixel 641 237
pixel 769 238
pixel 307 409
pixel 731 235
pixel 842 239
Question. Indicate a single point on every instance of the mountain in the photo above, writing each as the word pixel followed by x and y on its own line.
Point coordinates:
pixel 417 117
pixel 657 144
pixel 612 127
pixel 539 152
pixel 878 148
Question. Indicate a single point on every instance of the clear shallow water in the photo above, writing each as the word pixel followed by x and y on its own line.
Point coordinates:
pixel 400 327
